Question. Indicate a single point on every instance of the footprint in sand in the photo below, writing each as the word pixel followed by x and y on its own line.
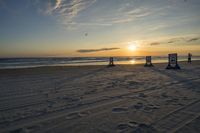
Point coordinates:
pixel 138 105
pixel 76 115
pixel 33 127
pixel 125 126
pixel 142 95
pixel 133 124
pixel 122 126
pixel 154 106
pixel 172 101
pixel 151 108
pixel 144 128
pixel 90 92
pixel 132 83
pixel 84 113
pixel 148 109
pixel 120 110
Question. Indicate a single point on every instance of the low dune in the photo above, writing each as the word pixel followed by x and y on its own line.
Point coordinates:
pixel 100 99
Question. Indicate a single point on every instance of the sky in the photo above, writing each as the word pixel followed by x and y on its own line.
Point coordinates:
pixel 43 28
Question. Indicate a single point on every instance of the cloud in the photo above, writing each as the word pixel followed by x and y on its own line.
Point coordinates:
pixel 96 50
pixel 183 39
pixel 170 41
pixel 109 19
pixel 58 4
pixel 68 11
pixel 156 27
pixel 154 43
pixel 193 39
pixel 65 10
pixel 124 15
pixel 130 15
pixel 177 40
pixel 174 40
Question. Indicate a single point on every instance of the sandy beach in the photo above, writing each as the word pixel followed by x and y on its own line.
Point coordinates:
pixel 100 99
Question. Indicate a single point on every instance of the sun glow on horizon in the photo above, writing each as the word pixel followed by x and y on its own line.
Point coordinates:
pixel 133 46
pixel 132 61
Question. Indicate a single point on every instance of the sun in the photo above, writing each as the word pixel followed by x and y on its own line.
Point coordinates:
pixel 132 47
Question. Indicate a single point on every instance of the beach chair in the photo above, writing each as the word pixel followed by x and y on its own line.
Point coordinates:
pixel 111 62
pixel 173 61
pixel 148 62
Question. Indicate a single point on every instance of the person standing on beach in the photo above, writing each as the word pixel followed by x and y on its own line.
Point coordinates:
pixel 189 57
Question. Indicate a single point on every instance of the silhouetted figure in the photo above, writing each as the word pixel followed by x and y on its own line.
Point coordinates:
pixel 173 61
pixel 111 62
pixel 189 58
pixel 148 62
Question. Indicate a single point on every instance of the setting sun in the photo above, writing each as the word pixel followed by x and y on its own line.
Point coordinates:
pixel 132 47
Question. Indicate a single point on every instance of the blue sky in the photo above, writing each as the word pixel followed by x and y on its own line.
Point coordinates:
pixel 66 27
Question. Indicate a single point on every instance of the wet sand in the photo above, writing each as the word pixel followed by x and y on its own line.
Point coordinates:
pixel 98 99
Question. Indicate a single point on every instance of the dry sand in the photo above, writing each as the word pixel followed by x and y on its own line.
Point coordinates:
pixel 97 99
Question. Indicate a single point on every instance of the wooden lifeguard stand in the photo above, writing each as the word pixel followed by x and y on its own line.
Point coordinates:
pixel 173 61
pixel 148 62
pixel 189 58
pixel 111 62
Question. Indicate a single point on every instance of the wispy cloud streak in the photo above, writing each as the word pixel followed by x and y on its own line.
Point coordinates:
pixel 96 50
pixel 185 40
pixel 154 43
pixel 193 39
pixel 65 10
pixel 68 10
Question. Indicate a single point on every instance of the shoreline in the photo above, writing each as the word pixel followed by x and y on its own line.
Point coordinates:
pixel 70 66
pixel 15 63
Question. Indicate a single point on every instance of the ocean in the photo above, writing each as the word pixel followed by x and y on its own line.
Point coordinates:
pixel 79 61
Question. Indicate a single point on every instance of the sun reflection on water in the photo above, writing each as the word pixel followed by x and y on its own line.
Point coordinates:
pixel 132 61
